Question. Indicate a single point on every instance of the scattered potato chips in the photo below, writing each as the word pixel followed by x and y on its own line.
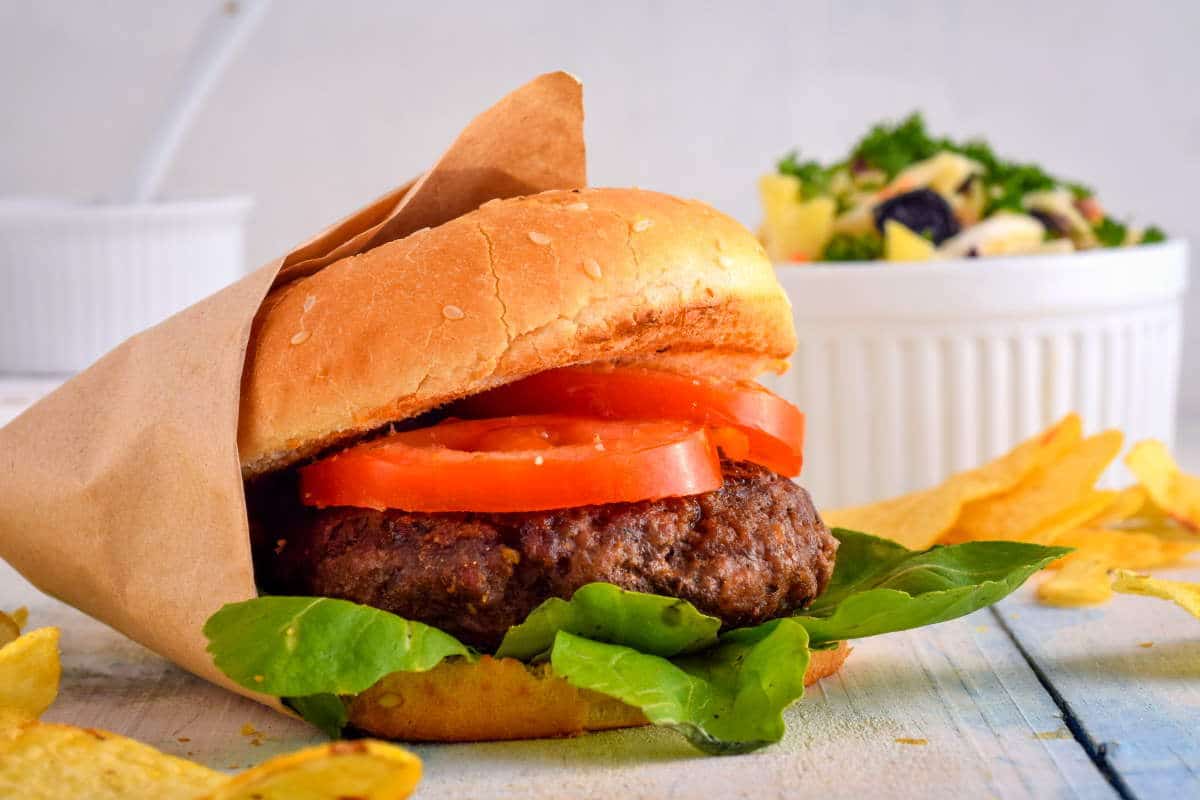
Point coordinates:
pixel 364 769
pixel 920 519
pixel 1173 491
pixel 1185 595
pixel 29 673
pixel 41 761
pixel 1080 582
pixel 1127 503
pixel 1044 492
pixel 1070 518
pixel 1128 549
pixel 1051 489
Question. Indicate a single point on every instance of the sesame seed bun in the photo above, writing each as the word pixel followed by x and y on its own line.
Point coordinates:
pixel 494 699
pixel 516 287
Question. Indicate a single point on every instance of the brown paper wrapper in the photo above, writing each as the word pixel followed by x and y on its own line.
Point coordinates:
pixel 121 492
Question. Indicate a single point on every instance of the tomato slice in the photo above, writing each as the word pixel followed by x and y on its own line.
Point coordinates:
pixel 774 427
pixel 520 463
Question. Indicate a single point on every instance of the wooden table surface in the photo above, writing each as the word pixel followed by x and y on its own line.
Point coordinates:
pixel 1015 701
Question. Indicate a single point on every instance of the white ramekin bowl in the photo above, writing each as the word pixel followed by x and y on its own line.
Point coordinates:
pixel 910 372
pixel 75 280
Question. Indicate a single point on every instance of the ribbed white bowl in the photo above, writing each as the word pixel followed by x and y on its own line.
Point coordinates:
pixel 910 372
pixel 76 280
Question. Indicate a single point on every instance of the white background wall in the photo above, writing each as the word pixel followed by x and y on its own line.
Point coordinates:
pixel 332 103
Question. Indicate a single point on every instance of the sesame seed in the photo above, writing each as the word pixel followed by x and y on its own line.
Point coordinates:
pixel 642 225
pixel 452 312
pixel 539 460
pixel 580 206
pixel 725 261
pixel 309 302
pixel 300 337
pixel 538 238
pixel 591 268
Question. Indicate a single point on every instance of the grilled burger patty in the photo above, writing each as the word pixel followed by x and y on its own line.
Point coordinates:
pixel 750 551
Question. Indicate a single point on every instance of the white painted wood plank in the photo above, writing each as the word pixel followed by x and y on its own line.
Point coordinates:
pixel 1129 672
pixel 962 686
pixel 1138 706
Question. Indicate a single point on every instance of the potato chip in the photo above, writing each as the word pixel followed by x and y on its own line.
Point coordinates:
pixel 40 760
pixel 1071 518
pixel 10 720
pixel 1184 595
pixel 1049 490
pixel 363 769
pixel 1125 504
pixel 1080 582
pixel 20 616
pixel 29 672
pixel 1119 548
pixel 919 519
pixel 1171 489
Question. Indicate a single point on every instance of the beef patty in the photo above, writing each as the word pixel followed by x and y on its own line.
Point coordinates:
pixel 750 551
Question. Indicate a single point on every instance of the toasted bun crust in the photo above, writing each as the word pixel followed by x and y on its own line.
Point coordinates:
pixel 515 287
pixel 495 699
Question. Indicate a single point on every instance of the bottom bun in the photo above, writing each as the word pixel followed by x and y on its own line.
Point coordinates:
pixel 502 698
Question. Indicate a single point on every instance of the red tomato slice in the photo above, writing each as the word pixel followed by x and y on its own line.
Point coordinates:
pixel 774 427
pixel 527 463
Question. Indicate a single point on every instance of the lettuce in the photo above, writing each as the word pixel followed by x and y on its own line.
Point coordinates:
pixel 724 691
pixel 879 586
pixel 728 699
pixel 299 646
pixel 648 623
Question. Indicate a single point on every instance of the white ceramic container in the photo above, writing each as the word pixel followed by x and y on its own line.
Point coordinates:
pixel 75 280
pixel 910 372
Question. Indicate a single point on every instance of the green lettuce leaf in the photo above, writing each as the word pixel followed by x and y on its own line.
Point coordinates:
pixel 727 699
pixel 299 646
pixel 648 623
pixel 325 711
pixel 879 586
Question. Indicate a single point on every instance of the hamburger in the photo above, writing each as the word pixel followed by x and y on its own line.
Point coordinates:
pixel 511 477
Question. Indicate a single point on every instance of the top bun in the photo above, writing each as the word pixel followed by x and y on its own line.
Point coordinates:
pixel 513 288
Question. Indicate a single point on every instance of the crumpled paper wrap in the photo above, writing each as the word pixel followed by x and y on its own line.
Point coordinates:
pixel 121 492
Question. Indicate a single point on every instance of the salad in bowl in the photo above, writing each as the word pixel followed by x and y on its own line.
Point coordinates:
pixel 904 195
